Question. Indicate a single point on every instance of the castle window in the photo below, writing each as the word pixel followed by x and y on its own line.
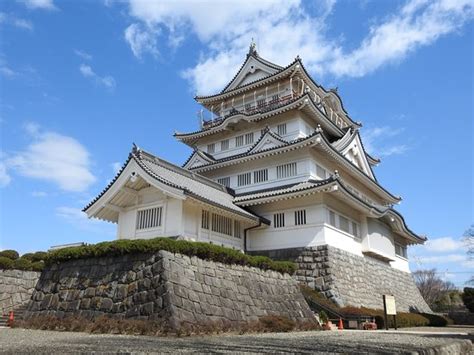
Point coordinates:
pixel 237 229
pixel 248 107
pixel 211 148
pixel 401 250
pixel 149 218
pixel 239 141
pixel 332 219
pixel 279 220
pixel 286 170
pixel 260 176
pixel 355 230
pixel 224 181
pixel 275 98
pixel 225 144
pixel 320 171
pixel 244 179
pixel 205 219
pixel 300 217
pixel 260 103
pixel 221 224
pixel 249 138
pixel 344 224
pixel 281 129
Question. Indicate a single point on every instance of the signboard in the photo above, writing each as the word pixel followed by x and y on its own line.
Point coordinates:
pixel 390 308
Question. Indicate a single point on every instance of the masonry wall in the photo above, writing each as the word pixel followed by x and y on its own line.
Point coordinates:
pixel 16 288
pixel 165 286
pixel 348 279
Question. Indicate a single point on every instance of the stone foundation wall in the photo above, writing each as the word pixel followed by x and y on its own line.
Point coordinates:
pixel 16 288
pixel 165 286
pixel 348 279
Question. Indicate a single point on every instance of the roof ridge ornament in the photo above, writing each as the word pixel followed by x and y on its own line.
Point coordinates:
pixel 252 48
pixel 336 174
pixel 318 128
pixel 135 148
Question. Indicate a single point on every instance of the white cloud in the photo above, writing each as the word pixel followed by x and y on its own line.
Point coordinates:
pixel 39 194
pixel 377 141
pixel 442 259
pixel 80 220
pixel 284 29
pixel 15 21
pixel 5 179
pixel 443 245
pixel 142 39
pixel 83 54
pixel 39 4
pixel 7 72
pixel 54 158
pixel 106 81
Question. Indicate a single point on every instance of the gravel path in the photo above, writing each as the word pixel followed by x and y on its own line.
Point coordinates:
pixel 346 342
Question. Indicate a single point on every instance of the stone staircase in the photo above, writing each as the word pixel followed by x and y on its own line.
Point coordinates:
pixel 18 313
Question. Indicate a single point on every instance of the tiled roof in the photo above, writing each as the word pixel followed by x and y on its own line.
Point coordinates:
pixel 192 184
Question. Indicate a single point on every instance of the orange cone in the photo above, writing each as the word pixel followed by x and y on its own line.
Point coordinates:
pixel 11 319
pixel 340 326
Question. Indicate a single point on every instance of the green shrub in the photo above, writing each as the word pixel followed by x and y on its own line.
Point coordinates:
pixel 35 257
pixel 22 264
pixel 313 295
pixel 468 298
pixel 37 266
pixel 5 263
pixel 11 254
pixel 201 250
pixel 437 320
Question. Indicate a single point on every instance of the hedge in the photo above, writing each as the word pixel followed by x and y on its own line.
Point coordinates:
pixel 10 254
pixel 201 250
pixel 5 263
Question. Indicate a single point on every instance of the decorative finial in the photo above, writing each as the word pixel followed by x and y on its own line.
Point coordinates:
pixel 318 128
pixel 336 174
pixel 334 89
pixel 252 48
pixel 135 148
pixel 298 57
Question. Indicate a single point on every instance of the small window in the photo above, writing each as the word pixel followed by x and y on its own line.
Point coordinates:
pixel 221 224
pixel 260 103
pixel 249 138
pixel 239 141
pixel 275 98
pixel 344 224
pixel 225 144
pixel 244 179
pixel 281 129
pixel 224 181
pixel 320 171
pixel 355 230
pixel 332 218
pixel 205 219
pixel 260 176
pixel 279 220
pixel 248 107
pixel 211 148
pixel 286 170
pixel 237 229
pixel 149 218
pixel 401 250
pixel 300 217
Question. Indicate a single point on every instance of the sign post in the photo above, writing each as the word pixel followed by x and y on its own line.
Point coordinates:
pixel 389 309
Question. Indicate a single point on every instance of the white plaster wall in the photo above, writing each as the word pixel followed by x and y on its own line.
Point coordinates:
pixel 192 217
pixel 126 224
pixel 380 237
pixel 400 263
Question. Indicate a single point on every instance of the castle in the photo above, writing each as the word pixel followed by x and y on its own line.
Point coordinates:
pixel 278 169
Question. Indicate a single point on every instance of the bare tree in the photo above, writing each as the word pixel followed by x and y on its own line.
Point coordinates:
pixel 431 286
pixel 468 238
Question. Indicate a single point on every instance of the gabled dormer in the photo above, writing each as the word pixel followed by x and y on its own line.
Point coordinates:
pixel 198 158
pixel 268 140
pixel 350 146
pixel 254 68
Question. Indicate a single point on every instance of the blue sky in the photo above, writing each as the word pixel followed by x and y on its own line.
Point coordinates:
pixel 81 81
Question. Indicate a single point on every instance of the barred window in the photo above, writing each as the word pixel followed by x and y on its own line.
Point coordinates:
pixel 279 220
pixel 260 103
pixel 221 224
pixel 401 250
pixel 211 148
pixel 344 224
pixel 237 229
pixel 239 141
pixel 355 230
pixel 281 129
pixel 320 171
pixel 205 219
pixel 244 179
pixel 300 217
pixel 224 181
pixel 149 218
pixel 225 144
pixel 286 170
pixel 260 176
pixel 332 219
pixel 275 98
pixel 249 138
pixel 248 107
